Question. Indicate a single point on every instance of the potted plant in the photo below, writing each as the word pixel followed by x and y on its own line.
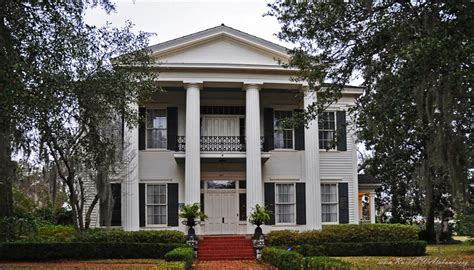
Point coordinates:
pixel 260 215
pixel 192 216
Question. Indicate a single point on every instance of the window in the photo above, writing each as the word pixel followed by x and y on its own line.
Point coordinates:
pixel 327 130
pixel 283 136
pixel 285 203
pixel 156 204
pixel 221 184
pixel 156 128
pixel 329 204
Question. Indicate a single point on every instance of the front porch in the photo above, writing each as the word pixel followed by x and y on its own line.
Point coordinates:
pixel 366 198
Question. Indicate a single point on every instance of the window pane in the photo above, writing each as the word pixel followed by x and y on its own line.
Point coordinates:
pixel 156 138
pixel 326 140
pixel 285 193
pixel 156 214
pixel 156 119
pixel 288 138
pixel 279 139
pixel 285 213
pixel 156 194
pixel 221 184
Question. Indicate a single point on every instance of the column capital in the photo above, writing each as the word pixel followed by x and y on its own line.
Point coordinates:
pixel 197 85
pixel 248 86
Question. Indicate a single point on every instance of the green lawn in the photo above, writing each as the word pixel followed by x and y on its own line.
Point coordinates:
pixel 456 256
pixel 128 264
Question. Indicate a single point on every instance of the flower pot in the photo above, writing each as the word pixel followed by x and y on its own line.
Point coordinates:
pixel 258 232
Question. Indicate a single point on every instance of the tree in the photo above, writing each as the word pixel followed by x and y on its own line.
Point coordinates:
pixel 416 61
pixel 61 80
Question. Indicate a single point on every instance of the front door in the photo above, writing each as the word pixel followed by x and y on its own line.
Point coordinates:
pixel 221 207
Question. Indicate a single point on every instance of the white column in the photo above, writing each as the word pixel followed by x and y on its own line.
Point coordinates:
pixel 130 194
pixel 372 206
pixel 254 162
pixel 311 156
pixel 193 161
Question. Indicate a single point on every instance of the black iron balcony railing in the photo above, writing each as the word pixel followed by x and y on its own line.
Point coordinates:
pixel 218 143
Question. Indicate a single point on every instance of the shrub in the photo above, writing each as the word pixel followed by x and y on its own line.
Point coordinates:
pixel 120 236
pixel 55 251
pixel 55 233
pixel 185 254
pixel 14 228
pixel 394 248
pixel 283 238
pixel 345 233
pixel 282 259
pixel 324 263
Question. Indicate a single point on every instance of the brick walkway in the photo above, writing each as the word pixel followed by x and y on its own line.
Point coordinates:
pixel 232 265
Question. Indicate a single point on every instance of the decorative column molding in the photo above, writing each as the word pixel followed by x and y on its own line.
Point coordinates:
pixel 253 161
pixel 130 193
pixel 311 157
pixel 192 172
pixel 372 207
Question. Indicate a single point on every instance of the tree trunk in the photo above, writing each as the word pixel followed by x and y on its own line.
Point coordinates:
pixel 89 212
pixel 73 209
pixel 6 172
pixel 429 207
pixel 104 192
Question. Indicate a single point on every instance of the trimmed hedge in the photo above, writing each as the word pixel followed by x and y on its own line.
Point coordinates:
pixel 291 260
pixel 398 248
pixel 345 233
pixel 282 259
pixel 120 236
pixel 185 254
pixel 54 251
pixel 324 263
pixel 55 233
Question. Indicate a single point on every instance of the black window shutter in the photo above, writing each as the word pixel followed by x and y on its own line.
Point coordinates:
pixel 343 203
pixel 270 201
pixel 173 204
pixel 299 135
pixel 242 132
pixel 300 203
pixel 268 129
pixel 142 128
pixel 172 128
pixel 242 206
pixel 117 207
pixel 341 131
pixel 141 202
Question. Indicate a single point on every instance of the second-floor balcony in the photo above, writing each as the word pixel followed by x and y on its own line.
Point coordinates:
pixel 218 143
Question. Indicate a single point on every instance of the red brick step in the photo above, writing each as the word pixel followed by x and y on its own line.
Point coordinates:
pixel 225 248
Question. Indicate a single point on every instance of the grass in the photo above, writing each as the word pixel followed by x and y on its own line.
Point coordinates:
pixel 128 264
pixel 455 256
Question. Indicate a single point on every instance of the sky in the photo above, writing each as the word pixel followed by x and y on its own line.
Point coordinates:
pixel 173 19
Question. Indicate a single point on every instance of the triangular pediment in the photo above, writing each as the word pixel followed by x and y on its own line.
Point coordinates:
pixel 220 45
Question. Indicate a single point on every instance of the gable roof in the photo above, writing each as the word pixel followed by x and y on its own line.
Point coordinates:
pixel 221 30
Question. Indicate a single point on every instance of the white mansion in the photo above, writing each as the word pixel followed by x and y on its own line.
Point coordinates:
pixel 214 137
